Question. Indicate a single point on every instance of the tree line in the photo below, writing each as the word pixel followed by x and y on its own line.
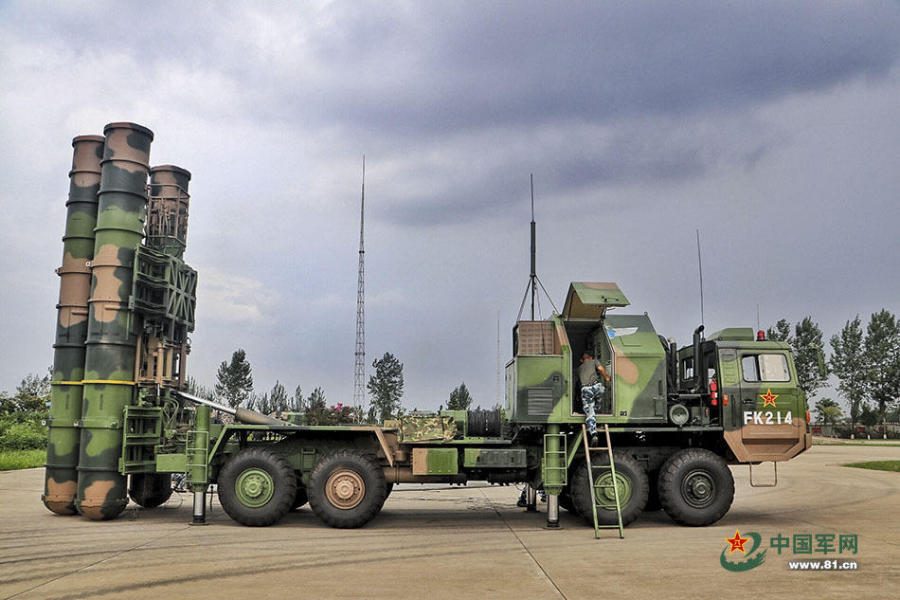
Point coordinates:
pixel 234 386
pixel 865 362
pixel 22 413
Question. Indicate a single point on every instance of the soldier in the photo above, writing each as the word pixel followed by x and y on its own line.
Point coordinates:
pixel 592 390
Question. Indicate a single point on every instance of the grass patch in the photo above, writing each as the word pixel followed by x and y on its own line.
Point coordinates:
pixel 877 465
pixel 10 460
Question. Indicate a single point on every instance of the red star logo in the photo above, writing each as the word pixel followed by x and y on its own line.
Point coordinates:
pixel 737 542
pixel 768 398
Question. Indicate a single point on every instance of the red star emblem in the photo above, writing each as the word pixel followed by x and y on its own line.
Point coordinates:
pixel 768 398
pixel 737 542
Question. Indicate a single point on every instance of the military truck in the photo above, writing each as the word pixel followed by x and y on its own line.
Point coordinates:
pixel 677 417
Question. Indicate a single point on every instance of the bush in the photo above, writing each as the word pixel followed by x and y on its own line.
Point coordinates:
pixel 22 431
pixel 11 460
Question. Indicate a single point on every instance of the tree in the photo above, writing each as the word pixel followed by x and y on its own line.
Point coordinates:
pixel 894 415
pixel 298 404
pixel 278 397
pixel 828 411
pixel 806 346
pixel 261 404
pixel 32 393
pixel 316 401
pixel 849 365
pixel 460 398
pixel 832 414
pixel 234 382
pixel 7 404
pixel 808 359
pixel 385 388
pixel 191 386
pixel 781 332
pixel 882 358
pixel 867 416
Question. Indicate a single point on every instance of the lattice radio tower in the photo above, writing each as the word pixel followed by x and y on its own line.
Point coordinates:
pixel 359 372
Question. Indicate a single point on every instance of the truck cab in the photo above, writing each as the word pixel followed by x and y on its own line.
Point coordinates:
pixel 754 394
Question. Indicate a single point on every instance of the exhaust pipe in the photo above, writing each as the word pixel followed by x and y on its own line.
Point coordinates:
pixel 699 368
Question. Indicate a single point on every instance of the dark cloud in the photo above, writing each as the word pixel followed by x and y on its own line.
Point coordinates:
pixel 769 125
pixel 476 65
pixel 414 69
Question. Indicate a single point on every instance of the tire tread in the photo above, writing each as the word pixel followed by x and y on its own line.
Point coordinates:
pixel 669 486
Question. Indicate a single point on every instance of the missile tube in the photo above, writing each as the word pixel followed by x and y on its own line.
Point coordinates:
pixel 112 331
pixel 167 218
pixel 60 482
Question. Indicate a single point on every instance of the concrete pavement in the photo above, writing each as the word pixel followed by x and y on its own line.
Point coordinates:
pixel 459 543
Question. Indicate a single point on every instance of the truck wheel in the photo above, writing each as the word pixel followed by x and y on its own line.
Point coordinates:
pixel 300 498
pixel 150 489
pixel 653 497
pixel 565 499
pixel 257 487
pixel 631 482
pixel 347 489
pixel 695 487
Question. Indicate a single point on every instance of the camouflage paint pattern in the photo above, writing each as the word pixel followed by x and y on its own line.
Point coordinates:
pixel 540 382
pixel 538 385
pixel 61 476
pixel 294 418
pixel 111 338
pixel 427 428
pixel 541 387
pixel 435 461
pixel 639 374
pixel 763 420
pixel 167 215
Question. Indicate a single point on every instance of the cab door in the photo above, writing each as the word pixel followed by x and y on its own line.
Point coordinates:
pixel 771 422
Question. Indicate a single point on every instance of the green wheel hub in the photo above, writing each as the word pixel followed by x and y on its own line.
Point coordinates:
pixel 698 488
pixel 606 495
pixel 254 487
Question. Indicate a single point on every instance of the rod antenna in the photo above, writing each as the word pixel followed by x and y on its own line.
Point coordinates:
pixel 533 281
pixel 700 267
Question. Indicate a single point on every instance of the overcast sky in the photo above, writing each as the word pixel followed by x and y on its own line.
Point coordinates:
pixel 773 127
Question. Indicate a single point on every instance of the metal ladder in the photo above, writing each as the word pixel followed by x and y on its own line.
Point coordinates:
pixel 595 487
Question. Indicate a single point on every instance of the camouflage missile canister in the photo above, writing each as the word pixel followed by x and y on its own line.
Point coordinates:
pixel 61 481
pixel 109 368
pixel 167 218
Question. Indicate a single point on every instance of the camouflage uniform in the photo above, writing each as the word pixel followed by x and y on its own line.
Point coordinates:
pixel 592 391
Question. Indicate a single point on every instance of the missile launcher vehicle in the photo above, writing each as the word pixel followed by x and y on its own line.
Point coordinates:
pixel 676 418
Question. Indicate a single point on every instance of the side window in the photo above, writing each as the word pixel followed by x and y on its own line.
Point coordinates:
pixel 748 366
pixel 765 367
pixel 687 368
pixel 710 359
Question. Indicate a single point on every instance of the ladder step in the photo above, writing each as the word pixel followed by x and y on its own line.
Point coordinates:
pixel 599 487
